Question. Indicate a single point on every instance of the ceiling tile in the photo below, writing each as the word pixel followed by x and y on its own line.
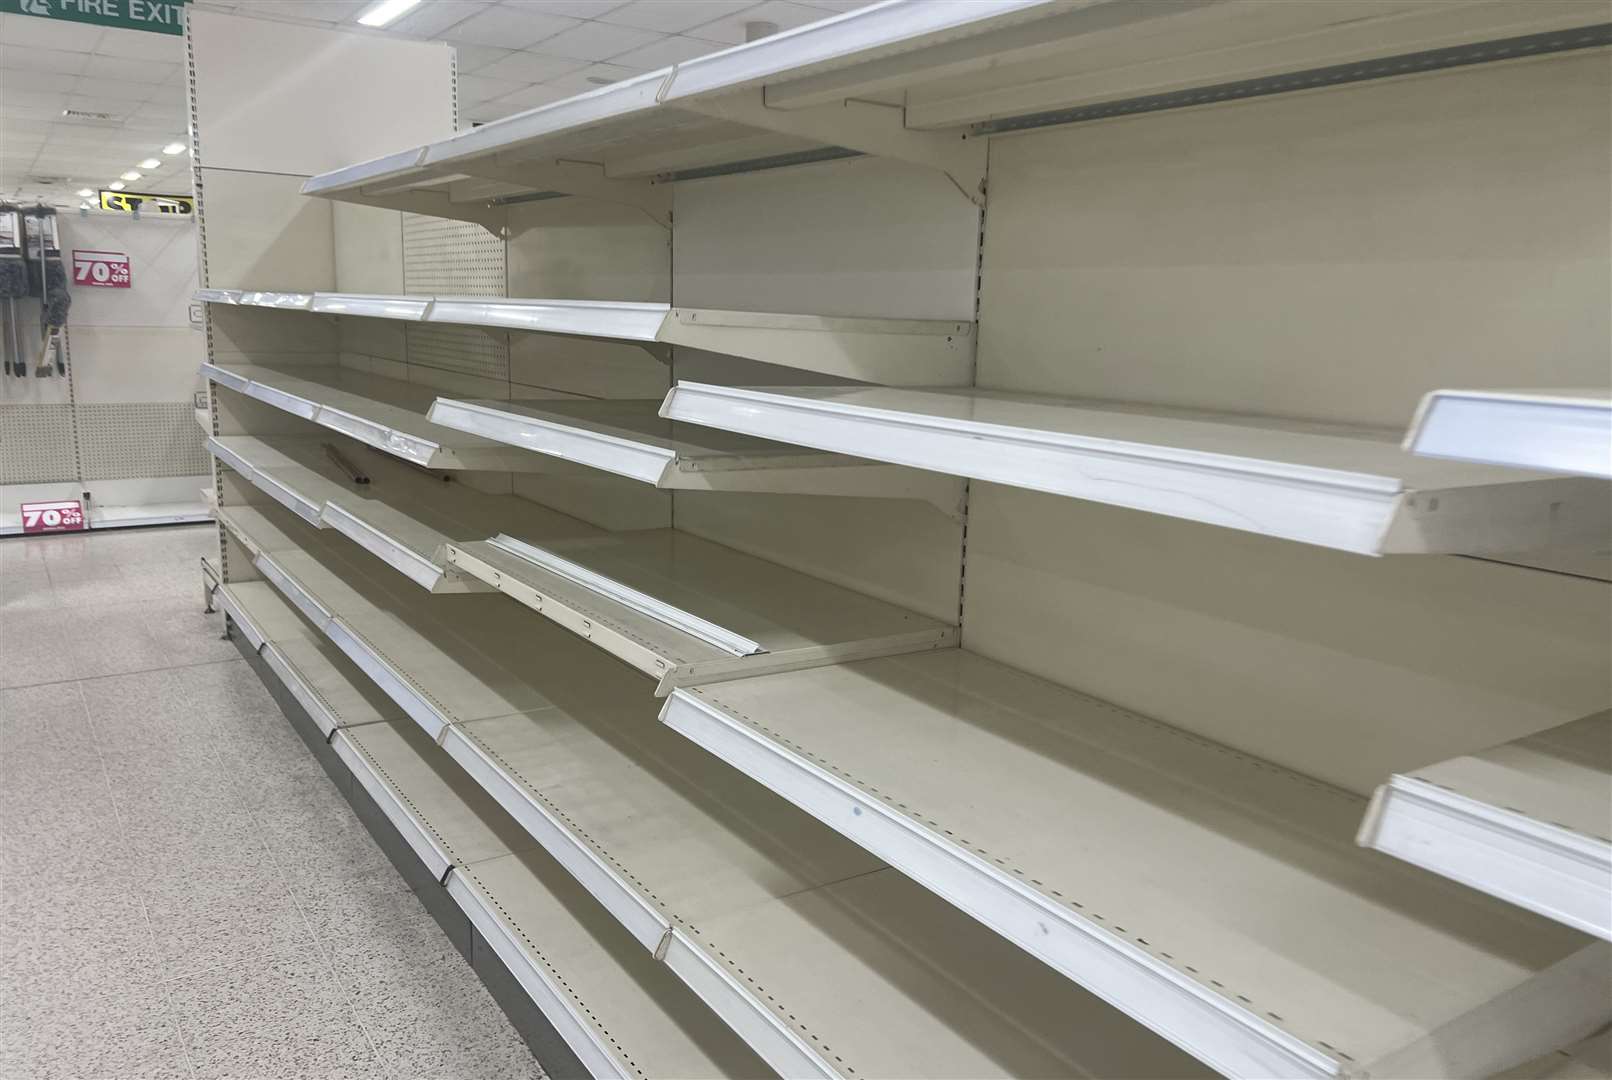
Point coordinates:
pixel 329 12
pixel 487 111
pixel 20 58
pixel 118 67
pixel 430 20
pixel 595 41
pixel 38 33
pixel 474 88
pixel 132 92
pixel 838 5
pixel 786 15
pixel 672 16
pixel 35 80
pixel 509 27
pixel 576 9
pixel 580 82
pixel 531 97
pixel 474 59
pixel 665 52
pixel 139 45
pixel 172 95
pixel 533 67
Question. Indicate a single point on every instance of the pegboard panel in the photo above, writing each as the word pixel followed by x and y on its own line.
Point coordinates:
pixel 465 350
pixel 139 439
pixel 36 444
pixel 451 258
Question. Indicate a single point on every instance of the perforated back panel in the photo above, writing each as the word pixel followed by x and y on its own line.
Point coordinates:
pixel 461 349
pixel 451 258
pixel 134 439
pixel 36 443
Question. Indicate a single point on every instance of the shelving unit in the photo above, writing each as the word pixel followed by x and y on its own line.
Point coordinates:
pixel 403 517
pixel 821 959
pixel 622 1014
pixel 897 351
pixel 1230 913
pixel 1567 431
pixel 1345 489
pixel 387 414
pixel 1528 821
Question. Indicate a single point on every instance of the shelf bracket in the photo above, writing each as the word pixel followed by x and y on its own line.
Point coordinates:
pixel 879 130
pixel 580 178
pixel 433 204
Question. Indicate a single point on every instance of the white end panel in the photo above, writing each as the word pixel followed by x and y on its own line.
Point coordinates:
pixel 282 98
pixel 1340 666
pixel 862 237
pixel 1332 255
pixel 368 249
pixel 263 234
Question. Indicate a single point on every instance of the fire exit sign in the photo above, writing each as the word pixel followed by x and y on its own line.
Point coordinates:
pixel 157 16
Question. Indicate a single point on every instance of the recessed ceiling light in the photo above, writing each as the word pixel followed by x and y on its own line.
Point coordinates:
pixel 132 174
pixel 385 11
pixel 174 148
pixel 116 185
pixel 85 193
pixel 150 163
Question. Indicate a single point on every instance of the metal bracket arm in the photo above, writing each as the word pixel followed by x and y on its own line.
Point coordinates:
pixel 580 178
pixel 432 204
pixel 874 129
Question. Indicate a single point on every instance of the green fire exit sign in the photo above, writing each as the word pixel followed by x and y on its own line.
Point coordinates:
pixel 157 16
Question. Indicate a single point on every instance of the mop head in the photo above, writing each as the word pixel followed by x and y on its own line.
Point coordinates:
pixel 13 277
pixel 53 312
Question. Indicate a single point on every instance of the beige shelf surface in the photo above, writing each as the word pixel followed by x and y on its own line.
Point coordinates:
pixel 712 874
pixel 1213 896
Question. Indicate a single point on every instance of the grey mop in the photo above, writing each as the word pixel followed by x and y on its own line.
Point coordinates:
pixel 13 284
pixel 47 279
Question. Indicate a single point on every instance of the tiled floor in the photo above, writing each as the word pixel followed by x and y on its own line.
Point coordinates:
pixel 183 893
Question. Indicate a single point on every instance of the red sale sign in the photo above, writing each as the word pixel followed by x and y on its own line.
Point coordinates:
pixel 65 515
pixel 101 269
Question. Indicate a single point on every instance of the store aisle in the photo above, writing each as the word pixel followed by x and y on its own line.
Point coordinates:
pixel 160 916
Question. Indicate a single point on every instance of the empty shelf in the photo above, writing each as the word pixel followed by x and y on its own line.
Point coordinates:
pixel 333 692
pixel 397 514
pixel 682 609
pixel 1339 488
pixel 371 305
pixel 384 413
pixel 1529 821
pixel 1566 431
pixel 823 960
pixel 620 1012
pixel 627 438
pixel 1212 896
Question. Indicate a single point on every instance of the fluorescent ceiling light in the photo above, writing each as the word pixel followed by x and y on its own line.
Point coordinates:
pixel 85 193
pixel 385 11
pixel 132 174
pixel 150 163
pixel 174 148
pixel 116 185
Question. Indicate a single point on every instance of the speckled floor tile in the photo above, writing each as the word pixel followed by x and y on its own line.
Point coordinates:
pixel 318 838
pixel 34 645
pixel 61 1032
pixel 285 1016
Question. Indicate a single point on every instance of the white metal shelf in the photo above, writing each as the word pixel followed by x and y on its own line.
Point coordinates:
pixel 1343 488
pixel 682 609
pixel 927 84
pixel 400 516
pixel 1529 821
pixel 387 414
pixel 1567 431
pixel 626 437
pixel 822 960
pixel 1229 912
pixel 620 1012
pixel 894 351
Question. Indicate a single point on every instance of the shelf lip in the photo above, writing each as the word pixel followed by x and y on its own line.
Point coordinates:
pixel 362 172
pixel 621 321
pixel 406 561
pixel 225 377
pixel 298 688
pixel 729 319
pixel 407 823
pixel 1545 868
pixel 305 508
pixel 217 296
pixel 304 601
pixel 1563 431
pixel 289 301
pixel 1226 1036
pixel 614 454
pixel 372 305
pixel 551 1001
pixel 729 641
pixel 393 685
pixel 235 611
pixel 624 902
